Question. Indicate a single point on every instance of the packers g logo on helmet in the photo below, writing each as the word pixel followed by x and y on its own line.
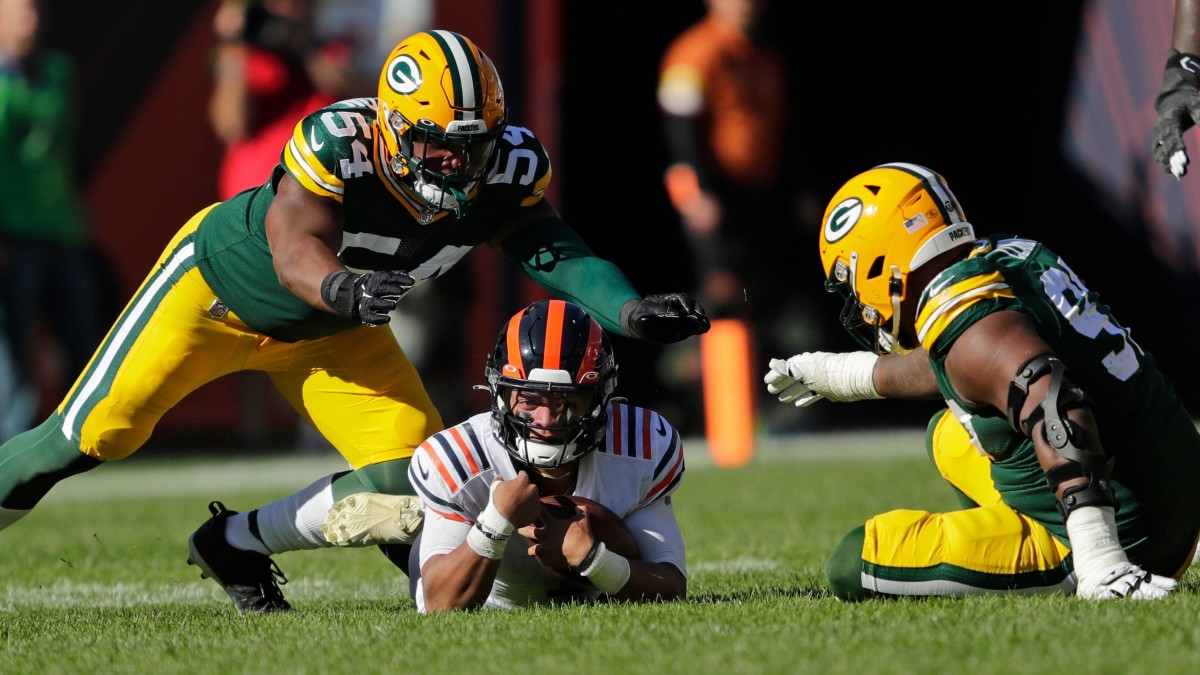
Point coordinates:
pixel 841 218
pixel 879 227
pixel 403 74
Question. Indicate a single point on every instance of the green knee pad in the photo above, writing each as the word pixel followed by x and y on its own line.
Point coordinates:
pixel 389 478
pixel 843 571
pixel 34 461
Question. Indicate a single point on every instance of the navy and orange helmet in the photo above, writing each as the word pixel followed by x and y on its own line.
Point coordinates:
pixel 554 353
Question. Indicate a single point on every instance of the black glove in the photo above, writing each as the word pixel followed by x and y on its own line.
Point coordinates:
pixel 366 297
pixel 663 318
pixel 1178 106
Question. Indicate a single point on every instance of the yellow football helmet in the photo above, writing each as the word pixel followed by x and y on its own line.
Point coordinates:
pixel 439 92
pixel 880 226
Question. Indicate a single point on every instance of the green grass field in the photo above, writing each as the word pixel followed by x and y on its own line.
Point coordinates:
pixel 95 581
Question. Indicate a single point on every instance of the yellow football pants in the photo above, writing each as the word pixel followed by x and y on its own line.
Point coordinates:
pixel 356 387
pixel 991 548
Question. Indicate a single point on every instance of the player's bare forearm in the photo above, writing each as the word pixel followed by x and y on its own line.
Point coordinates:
pixel 304 232
pixel 461 579
pixel 1185 35
pixel 649 582
pixel 906 376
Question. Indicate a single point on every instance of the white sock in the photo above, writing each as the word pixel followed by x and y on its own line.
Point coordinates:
pixel 294 522
pixel 10 516
pixel 238 534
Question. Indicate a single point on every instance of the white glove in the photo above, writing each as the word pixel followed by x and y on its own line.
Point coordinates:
pixel 808 377
pixel 1128 581
pixel 1101 566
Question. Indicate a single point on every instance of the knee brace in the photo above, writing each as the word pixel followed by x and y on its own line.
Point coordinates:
pixel 1067 439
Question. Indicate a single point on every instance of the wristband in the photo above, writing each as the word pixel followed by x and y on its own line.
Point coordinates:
pixel 1094 542
pixel 588 558
pixel 609 571
pixel 489 536
pixel 337 291
pixel 1186 63
pixel 852 376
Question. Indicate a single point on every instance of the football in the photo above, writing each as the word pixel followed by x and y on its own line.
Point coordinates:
pixel 606 526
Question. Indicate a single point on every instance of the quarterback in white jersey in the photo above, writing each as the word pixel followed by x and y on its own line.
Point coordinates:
pixel 553 430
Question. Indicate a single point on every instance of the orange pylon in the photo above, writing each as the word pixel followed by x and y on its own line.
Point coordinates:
pixel 726 355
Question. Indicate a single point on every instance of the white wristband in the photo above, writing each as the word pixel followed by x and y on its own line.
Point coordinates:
pixel 851 376
pixel 609 571
pixel 1094 542
pixel 491 531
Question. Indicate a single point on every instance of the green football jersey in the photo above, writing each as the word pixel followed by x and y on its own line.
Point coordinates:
pixel 335 153
pixel 1141 419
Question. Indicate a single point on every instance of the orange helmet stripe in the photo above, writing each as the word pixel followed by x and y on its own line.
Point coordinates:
pixel 514 344
pixel 554 335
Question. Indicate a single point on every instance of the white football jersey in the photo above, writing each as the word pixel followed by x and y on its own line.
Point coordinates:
pixel 633 472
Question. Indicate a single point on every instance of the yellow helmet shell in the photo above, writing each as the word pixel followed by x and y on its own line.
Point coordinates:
pixel 883 224
pixel 443 82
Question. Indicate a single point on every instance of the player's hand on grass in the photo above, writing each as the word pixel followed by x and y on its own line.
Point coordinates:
pixel 1126 580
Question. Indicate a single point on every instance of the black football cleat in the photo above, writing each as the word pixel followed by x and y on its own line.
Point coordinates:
pixel 251 579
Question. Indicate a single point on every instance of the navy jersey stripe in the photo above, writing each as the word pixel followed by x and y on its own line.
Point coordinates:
pixel 477 445
pixel 668 457
pixel 671 486
pixel 448 449
pixel 449 506
pixel 631 437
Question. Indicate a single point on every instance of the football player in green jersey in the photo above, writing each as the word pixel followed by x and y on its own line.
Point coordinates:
pixel 371 198
pixel 1075 461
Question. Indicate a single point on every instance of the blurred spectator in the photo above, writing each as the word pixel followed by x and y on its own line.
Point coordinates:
pixel 17 404
pixel 371 27
pixel 723 93
pixel 50 271
pixel 269 71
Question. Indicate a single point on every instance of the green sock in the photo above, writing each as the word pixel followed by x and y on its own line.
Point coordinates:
pixel 844 568
pixel 387 477
pixel 32 462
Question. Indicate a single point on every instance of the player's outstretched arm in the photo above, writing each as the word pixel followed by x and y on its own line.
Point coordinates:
pixel 809 377
pixel 555 257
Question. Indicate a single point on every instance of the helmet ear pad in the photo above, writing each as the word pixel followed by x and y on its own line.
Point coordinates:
pixel 552 350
